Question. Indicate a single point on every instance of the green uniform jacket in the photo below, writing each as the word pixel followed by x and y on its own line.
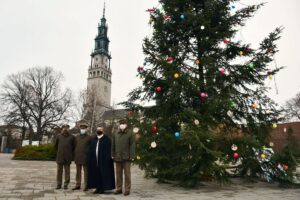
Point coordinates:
pixel 82 149
pixel 65 146
pixel 123 145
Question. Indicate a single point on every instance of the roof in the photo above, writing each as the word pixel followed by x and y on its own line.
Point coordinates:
pixel 111 114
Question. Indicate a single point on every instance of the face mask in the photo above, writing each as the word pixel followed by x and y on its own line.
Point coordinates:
pixel 99 132
pixel 123 126
pixel 82 131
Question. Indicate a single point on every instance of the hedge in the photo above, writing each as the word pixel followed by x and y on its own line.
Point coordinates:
pixel 41 152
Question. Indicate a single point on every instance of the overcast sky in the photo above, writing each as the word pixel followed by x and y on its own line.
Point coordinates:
pixel 60 33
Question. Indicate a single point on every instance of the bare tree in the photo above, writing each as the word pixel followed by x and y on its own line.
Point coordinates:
pixel 292 108
pixel 34 98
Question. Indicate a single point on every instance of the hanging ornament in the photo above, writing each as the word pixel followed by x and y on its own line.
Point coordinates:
pixel 251 66
pixel 182 17
pixel 254 106
pixel 196 121
pixel 136 129
pixel 274 126
pixel 170 59
pixel 197 62
pixel 225 41
pixel 140 69
pixel 232 104
pixel 234 147
pixel 248 50
pixel 271 144
pixel 203 95
pixel 270 77
pixel 222 71
pixel 284 129
pixel 154 129
pixel 285 167
pixel 150 10
pixel 190 146
pixel 184 69
pixel 241 53
pixel 229 113
pixel 176 75
pixel 235 155
pixel 202 27
pixel 138 157
pixel 166 17
pixel 177 134
pixel 263 156
pixel 158 89
pixel 153 145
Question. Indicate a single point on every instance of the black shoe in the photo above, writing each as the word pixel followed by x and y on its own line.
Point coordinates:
pixel 58 187
pixel 118 192
pixel 65 187
pixel 126 193
pixel 98 191
pixel 76 188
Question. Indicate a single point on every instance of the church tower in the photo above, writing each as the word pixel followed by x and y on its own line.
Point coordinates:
pixel 99 76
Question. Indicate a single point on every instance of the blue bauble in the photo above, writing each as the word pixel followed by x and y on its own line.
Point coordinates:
pixel 182 17
pixel 177 134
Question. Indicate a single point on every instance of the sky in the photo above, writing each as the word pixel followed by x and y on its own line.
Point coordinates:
pixel 60 34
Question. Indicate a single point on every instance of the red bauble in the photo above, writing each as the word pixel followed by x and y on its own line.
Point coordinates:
pixel 225 41
pixel 248 50
pixel 170 59
pixel 158 89
pixel 140 69
pixel 235 155
pixel 154 129
pixel 130 113
pixel 285 167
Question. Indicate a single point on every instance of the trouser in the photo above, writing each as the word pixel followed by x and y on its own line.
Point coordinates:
pixel 60 168
pixel 120 166
pixel 78 175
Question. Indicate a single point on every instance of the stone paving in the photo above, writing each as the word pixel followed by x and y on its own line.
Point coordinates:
pixel 36 180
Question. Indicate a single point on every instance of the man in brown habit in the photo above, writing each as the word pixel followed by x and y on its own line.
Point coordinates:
pixel 64 145
pixel 81 152
pixel 123 152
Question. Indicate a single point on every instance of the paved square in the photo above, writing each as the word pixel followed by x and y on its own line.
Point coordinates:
pixel 36 180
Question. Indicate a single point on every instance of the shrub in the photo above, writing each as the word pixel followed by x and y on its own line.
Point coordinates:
pixel 42 152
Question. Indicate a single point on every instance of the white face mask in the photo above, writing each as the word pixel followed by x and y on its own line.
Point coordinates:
pixel 82 131
pixel 123 126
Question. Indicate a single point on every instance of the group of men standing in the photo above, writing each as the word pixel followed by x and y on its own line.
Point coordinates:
pixel 95 156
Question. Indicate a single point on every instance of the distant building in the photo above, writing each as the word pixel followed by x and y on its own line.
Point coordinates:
pixel 279 135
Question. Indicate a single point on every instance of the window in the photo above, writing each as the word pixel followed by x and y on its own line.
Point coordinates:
pixel 98 73
pixel 101 73
pixel 94 74
pixel 90 74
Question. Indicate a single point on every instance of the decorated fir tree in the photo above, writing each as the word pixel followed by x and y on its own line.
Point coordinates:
pixel 211 110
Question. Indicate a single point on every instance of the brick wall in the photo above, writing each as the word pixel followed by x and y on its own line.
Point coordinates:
pixel 279 134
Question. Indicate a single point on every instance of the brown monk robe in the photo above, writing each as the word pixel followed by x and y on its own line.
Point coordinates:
pixel 80 156
pixel 64 145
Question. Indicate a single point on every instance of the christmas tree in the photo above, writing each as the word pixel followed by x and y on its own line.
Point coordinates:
pixel 211 110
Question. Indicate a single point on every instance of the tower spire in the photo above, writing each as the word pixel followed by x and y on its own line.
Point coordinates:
pixel 104 10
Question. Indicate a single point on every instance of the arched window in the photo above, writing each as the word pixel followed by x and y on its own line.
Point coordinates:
pixel 101 73
pixel 94 74
pixel 98 73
